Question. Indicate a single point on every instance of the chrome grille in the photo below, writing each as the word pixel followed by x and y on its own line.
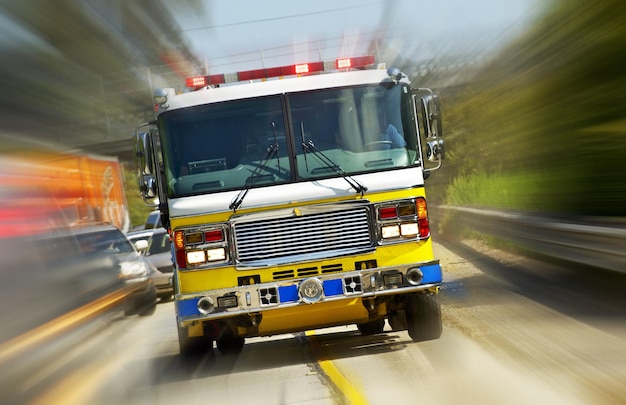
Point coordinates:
pixel 318 234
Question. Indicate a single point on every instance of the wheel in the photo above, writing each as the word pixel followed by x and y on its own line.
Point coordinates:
pixel 166 298
pixel 147 309
pixel 371 328
pixel 148 306
pixel 423 316
pixel 130 309
pixel 397 320
pixel 228 344
pixel 192 345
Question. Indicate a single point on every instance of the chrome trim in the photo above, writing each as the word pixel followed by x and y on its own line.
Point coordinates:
pixel 262 297
pixel 303 233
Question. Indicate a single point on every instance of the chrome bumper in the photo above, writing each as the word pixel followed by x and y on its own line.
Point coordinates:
pixel 255 298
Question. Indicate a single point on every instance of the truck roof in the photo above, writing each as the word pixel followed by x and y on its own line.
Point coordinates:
pixel 242 90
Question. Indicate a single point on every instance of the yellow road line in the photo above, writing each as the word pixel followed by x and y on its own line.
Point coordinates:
pixel 351 394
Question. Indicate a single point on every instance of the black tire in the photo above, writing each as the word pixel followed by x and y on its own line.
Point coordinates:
pixel 371 328
pixel 148 309
pixel 230 345
pixel 423 316
pixel 195 345
pixel 129 310
pixel 148 306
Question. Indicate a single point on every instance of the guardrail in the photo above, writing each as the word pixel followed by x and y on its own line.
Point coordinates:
pixel 591 241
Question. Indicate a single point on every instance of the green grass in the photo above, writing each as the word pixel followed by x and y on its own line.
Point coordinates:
pixel 515 191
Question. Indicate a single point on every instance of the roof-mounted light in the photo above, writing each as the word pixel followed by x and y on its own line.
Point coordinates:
pixel 198 82
pixel 354 63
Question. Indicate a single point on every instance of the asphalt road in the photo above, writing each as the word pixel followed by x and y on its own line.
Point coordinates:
pixel 516 331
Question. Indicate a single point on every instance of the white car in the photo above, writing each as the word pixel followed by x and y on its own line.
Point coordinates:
pixel 155 245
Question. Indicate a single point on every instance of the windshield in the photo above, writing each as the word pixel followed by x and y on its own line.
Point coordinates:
pixel 248 143
pixel 159 243
pixel 104 242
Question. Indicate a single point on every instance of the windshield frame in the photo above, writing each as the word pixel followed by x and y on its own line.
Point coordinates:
pixel 279 115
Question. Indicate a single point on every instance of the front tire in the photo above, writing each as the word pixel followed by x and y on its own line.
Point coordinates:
pixel 371 328
pixel 194 345
pixel 229 344
pixel 423 316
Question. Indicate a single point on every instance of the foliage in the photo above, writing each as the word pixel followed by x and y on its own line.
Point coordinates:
pixel 138 209
pixel 545 122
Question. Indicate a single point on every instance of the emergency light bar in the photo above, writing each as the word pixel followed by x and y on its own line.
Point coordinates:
pixel 198 82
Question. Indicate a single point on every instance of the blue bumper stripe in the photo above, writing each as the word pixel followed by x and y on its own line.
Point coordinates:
pixel 432 273
pixel 333 287
pixel 188 307
pixel 288 293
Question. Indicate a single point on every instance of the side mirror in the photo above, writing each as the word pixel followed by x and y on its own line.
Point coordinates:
pixel 428 113
pixel 145 160
pixel 436 127
pixel 144 153
pixel 435 150
pixel 431 116
pixel 148 187
pixel 141 245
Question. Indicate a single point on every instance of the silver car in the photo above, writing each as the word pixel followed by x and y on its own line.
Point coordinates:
pixel 133 268
pixel 158 252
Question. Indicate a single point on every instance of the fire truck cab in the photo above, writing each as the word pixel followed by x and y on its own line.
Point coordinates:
pixel 295 200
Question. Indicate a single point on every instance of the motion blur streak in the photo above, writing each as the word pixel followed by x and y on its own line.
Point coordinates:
pixel 535 124
pixel 542 127
pixel 40 335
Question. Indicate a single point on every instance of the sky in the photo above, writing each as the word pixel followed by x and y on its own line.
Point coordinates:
pixel 241 34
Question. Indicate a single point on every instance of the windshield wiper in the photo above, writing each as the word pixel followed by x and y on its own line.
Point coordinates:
pixel 272 151
pixel 310 146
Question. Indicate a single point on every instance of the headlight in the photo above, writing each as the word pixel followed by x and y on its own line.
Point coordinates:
pixel 392 231
pixel 410 229
pixel 133 269
pixel 196 257
pixel 216 254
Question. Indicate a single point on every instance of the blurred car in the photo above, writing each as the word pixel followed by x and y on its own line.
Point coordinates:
pixel 154 220
pixel 133 268
pixel 45 274
pixel 143 234
pixel 158 252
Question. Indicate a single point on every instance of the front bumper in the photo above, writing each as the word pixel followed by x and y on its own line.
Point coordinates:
pixel 256 298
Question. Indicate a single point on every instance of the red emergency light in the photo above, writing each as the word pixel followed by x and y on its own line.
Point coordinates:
pixel 198 82
pixel 358 62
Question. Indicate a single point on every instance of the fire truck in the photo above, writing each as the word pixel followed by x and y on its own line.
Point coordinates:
pixel 295 200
